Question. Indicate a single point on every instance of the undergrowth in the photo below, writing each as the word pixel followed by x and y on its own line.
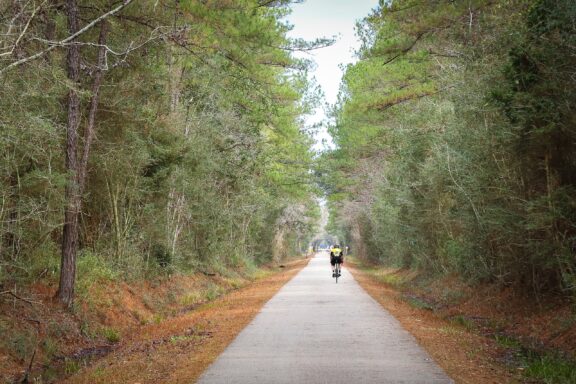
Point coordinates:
pixel 110 334
pixel 551 368
pixel 548 367
pixel 535 363
pixel 101 291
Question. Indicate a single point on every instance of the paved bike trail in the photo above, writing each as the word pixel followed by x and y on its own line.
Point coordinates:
pixel 316 331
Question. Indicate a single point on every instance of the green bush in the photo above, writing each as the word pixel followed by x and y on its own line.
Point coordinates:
pixel 162 255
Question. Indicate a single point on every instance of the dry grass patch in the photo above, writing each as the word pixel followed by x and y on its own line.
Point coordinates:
pixel 179 349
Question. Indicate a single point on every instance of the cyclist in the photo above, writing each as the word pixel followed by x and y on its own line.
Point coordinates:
pixel 336 256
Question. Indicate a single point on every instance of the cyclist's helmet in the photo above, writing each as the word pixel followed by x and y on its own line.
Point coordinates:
pixel 337 246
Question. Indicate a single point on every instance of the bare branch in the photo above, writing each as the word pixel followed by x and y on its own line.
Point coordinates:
pixel 453 54
pixel 23 31
pixel 89 132
pixel 69 38
pixel 154 35
pixel 19 298
pixel 16 16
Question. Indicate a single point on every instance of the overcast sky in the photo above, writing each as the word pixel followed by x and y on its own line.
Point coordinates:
pixel 326 18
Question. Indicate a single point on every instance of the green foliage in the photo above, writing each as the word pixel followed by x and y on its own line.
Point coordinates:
pixel 93 267
pixel 199 158
pixel 162 255
pixel 546 367
pixel 551 370
pixel 455 139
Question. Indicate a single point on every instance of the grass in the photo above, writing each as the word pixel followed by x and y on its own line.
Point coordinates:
pixel 71 366
pixel 59 328
pixel 151 302
pixel 382 274
pixel 86 329
pixel 389 277
pixel 190 298
pixel 93 267
pixel 110 334
pixel 508 342
pixel 23 344
pixel 213 291
pixel 19 341
pixel 50 347
pixel 452 297
pixel 451 330
pixel 417 302
pixel 180 338
pixel 396 280
pixel 551 369
pixel 545 367
pixel 209 330
pixel 536 366
pixel 100 286
pixel 236 282
pixel 464 322
pixel 260 274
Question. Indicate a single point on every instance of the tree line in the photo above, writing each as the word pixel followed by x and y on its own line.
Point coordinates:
pixel 149 136
pixel 456 137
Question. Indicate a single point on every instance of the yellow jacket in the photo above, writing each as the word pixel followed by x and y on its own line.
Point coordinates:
pixel 336 252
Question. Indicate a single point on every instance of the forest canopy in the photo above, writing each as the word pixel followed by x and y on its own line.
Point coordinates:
pixel 149 137
pixel 455 135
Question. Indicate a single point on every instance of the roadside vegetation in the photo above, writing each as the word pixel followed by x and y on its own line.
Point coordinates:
pixel 455 143
pixel 140 143
pixel 477 334
pixel 454 150
pixel 153 156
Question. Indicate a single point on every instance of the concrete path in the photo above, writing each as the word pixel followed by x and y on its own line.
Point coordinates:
pixel 316 331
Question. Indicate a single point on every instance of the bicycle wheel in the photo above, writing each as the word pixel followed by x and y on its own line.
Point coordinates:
pixel 337 270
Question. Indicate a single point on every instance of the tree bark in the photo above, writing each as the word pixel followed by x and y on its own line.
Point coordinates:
pixel 77 170
pixel 65 291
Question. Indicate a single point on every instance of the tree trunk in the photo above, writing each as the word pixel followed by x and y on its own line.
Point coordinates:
pixel 77 170
pixel 70 232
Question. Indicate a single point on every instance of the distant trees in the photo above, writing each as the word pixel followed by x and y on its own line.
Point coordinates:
pixel 180 124
pixel 456 141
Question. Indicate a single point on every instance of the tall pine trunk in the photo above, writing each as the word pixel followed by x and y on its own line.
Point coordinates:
pixel 77 170
pixel 72 195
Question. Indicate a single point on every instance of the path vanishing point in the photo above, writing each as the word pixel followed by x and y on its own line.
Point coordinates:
pixel 316 331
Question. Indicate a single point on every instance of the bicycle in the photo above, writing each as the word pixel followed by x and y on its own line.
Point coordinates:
pixel 337 271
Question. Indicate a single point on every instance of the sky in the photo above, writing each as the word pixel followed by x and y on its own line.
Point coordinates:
pixel 327 18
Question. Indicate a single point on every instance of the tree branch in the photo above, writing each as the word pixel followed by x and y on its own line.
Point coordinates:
pixel 404 99
pixel 23 31
pixel 154 35
pixel 68 39
pixel 405 50
pixel 19 298
pixel 89 132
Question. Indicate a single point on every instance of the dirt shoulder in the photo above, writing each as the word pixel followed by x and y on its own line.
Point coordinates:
pixel 179 349
pixel 481 333
pixel 464 356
